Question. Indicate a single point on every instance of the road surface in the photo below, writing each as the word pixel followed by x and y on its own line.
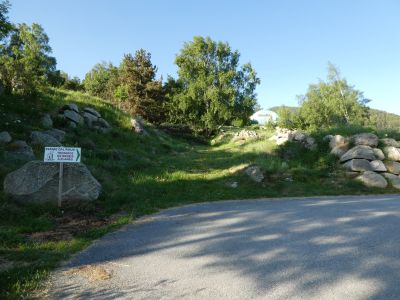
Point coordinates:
pixel 310 248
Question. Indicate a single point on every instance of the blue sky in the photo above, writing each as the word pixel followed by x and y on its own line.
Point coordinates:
pixel 289 43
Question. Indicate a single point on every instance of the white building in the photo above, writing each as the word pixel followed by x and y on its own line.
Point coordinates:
pixel 264 116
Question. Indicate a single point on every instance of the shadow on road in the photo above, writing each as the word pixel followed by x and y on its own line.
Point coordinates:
pixel 315 248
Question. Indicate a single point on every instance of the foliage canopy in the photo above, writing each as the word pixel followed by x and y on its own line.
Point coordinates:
pixel 211 90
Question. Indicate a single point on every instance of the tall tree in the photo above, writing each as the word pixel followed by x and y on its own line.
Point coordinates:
pixel 25 61
pixel 140 92
pixel 211 89
pixel 332 102
pixel 5 25
pixel 98 80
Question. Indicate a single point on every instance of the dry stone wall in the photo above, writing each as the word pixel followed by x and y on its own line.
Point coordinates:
pixel 373 161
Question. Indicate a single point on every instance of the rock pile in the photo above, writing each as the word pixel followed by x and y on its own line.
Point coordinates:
pixel 370 164
pixel 245 135
pixel 284 135
pixel 88 116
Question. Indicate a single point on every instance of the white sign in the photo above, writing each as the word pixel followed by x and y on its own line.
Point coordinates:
pixel 62 154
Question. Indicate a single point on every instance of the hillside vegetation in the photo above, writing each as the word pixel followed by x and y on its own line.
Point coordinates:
pixel 141 174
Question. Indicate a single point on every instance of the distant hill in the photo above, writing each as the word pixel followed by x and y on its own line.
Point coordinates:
pixel 378 118
pixel 384 120
pixel 291 108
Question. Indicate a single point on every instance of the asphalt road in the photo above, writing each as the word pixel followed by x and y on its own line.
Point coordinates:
pixel 320 248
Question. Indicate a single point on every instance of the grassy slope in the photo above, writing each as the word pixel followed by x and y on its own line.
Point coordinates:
pixel 140 175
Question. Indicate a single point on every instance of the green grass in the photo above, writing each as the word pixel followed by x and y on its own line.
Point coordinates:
pixel 143 174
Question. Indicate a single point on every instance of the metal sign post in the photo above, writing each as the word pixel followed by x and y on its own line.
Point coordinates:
pixel 62 155
pixel 60 184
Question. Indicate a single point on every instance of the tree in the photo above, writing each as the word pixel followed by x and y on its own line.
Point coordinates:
pixel 211 90
pixel 286 117
pixel 139 91
pixel 98 81
pixel 332 102
pixel 25 63
pixel 5 25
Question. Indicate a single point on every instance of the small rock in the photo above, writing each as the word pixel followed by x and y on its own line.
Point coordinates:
pixel 137 125
pixel 339 141
pixel 20 150
pixel 103 123
pixel 367 139
pixel 255 173
pixel 104 130
pixel 89 119
pixel 46 121
pixel 378 153
pixel 73 116
pixel 299 136
pixel 378 166
pixel 339 151
pixel 92 111
pixel 360 151
pixel 245 135
pixel 233 185
pixel 58 134
pixel 392 167
pixel 372 179
pixel 390 142
pixel 393 179
pixel 5 137
pixel 46 140
pixel 327 138
pixel 392 153
pixel 70 106
pixel 310 144
pixel 358 165
pixel 72 125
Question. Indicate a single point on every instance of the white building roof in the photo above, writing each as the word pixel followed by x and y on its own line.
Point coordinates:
pixel 264 116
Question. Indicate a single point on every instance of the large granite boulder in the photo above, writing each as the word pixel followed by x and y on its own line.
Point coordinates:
pixel 392 167
pixel 390 142
pixel 393 179
pixel 19 150
pixel 5 137
pixel 357 165
pixel 361 151
pixel 37 181
pixel 367 139
pixel 44 139
pixel 392 153
pixel 372 179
